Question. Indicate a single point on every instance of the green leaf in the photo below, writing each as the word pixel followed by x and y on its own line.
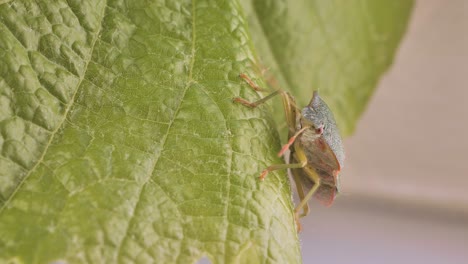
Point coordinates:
pixel 339 47
pixel 120 142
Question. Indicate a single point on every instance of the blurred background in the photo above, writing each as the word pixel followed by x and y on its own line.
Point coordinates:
pixel 405 185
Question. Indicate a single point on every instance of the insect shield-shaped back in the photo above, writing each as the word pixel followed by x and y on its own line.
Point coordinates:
pixel 323 147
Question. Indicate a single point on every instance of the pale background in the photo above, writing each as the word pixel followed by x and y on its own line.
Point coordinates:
pixel 405 183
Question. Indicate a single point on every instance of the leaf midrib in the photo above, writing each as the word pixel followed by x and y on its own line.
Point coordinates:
pixel 164 140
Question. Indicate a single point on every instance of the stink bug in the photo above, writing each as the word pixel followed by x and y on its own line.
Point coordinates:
pixel 316 150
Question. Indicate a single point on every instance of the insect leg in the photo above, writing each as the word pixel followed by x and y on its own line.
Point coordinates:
pixel 310 172
pixel 291 141
pixel 251 83
pixel 281 167
pixel 256 103
pixel 303 204
pixel 296 173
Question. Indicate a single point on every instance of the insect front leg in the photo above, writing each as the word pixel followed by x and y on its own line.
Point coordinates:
pixel 289 104
pixel 256 88
pixel 281 167
pixel 256 103
pixel 251 83
pixel 291 141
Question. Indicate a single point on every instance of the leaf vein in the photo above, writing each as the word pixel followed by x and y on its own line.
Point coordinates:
pixel 65 115
pixel 174 117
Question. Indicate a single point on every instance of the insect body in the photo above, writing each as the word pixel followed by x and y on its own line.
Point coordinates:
pixel 317 153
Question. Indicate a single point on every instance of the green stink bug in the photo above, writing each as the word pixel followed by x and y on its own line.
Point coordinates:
pixel 317 153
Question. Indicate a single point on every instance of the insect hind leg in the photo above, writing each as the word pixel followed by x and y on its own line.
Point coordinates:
pixel 303 203
pixel 312 175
